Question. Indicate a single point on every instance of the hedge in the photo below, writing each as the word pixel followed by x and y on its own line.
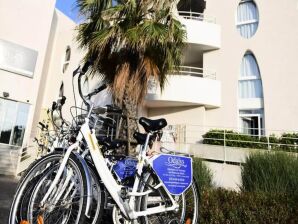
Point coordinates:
pixel 286 142
pixel 223 206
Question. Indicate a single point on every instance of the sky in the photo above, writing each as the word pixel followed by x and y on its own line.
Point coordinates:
pixel 68 8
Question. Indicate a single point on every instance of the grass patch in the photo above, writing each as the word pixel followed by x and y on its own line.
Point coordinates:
pixel 202 175
pixel 271 173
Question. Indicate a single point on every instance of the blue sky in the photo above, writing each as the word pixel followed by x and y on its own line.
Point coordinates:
pixel 68 8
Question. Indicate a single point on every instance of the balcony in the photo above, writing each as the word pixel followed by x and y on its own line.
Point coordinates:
pixel 203 33
pixel 191 86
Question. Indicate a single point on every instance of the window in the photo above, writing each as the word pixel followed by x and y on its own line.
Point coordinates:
pixel 13 120
pixel 247 18
pixel 251 111
pixel 66 59
pixel 17 59
pixel 250 83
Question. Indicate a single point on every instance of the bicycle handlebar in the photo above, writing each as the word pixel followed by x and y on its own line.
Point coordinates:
pixel 99 89
pixel 80 90
pixel 82 73
pixel 84 69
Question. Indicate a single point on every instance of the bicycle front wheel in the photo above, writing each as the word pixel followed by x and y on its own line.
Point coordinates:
pixel 188 211
pixel 67 202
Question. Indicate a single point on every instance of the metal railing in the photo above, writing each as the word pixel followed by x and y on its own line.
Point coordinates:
pixel 197 16
pixel 187 71
pixel 196 71
pixel 233 137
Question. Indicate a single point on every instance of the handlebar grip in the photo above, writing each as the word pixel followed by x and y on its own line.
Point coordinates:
pixel 62 101
pixel 101 88
pixel 86 66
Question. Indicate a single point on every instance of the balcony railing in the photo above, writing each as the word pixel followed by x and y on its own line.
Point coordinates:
pixel 198 72
pixel 197 16
pixel 186 71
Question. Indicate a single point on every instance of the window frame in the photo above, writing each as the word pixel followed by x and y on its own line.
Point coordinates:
pixel 252 110
pixel 261 123
pixel 247 22
pixel 66 59
pixel 250 77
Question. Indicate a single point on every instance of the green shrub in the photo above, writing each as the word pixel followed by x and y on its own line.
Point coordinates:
pixel 271 172
pixel 288 142
pixel 234 139
pixel 222 206
pixel 274 142
pixel 214 137
pixel 202 174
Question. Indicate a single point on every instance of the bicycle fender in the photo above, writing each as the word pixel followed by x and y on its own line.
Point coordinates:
pixel 88 180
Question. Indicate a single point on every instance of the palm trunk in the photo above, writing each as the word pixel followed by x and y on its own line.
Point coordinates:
pixel 129 125
pixel 131 111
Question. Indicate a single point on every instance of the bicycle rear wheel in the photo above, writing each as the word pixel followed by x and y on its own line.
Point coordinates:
pixel 188 211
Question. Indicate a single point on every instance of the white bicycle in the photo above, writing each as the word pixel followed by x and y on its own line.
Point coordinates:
pixel 77 185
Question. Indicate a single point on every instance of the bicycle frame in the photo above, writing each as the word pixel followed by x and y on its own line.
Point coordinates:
pixel 126 206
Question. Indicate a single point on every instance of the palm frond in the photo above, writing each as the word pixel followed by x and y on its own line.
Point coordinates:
pixel 131 42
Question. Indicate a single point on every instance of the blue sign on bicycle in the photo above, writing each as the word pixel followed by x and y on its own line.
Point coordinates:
pixel 174 171
pixel 125 168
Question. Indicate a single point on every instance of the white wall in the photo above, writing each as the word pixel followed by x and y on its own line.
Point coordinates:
pixel 26 23
pixel 64 32
pixel 202 32
pixel 187 90
pixel 225 175
pixel 275 48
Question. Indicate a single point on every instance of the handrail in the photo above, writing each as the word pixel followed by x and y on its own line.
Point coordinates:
pixel 197 16
pixel 193 134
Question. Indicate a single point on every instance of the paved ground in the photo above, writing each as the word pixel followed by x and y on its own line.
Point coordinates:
pixel 7 189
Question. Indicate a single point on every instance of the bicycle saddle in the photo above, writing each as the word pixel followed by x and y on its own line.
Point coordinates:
pixel 152 125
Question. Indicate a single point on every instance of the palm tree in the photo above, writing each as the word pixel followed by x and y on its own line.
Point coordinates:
pixel 131 42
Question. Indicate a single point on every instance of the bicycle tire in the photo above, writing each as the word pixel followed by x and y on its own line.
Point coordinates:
pixel 188 203
pixel 98 197
pixel 31 179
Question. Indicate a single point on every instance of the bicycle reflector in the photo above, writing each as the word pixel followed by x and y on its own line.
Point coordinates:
pixel 24 222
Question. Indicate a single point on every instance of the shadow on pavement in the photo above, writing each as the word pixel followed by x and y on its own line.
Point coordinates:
pixel 8 186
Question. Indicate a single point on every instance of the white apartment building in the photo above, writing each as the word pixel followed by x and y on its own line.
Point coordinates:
pixel 249 49
pixel 239 69
pixel 37 53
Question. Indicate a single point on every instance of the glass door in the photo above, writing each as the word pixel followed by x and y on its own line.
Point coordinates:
pixel 13 121
pixel 252 124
